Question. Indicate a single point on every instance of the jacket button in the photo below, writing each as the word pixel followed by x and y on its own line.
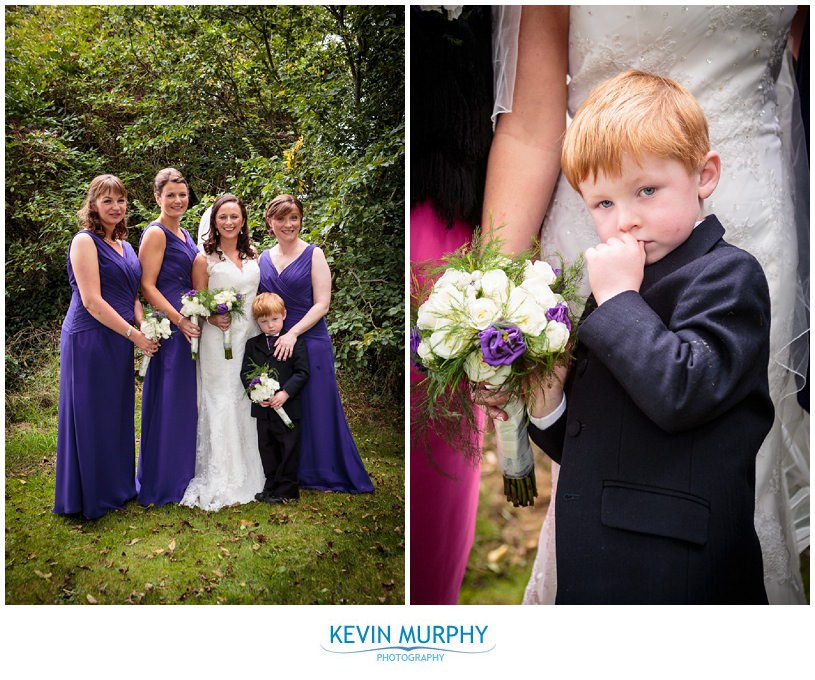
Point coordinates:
pixel 574 428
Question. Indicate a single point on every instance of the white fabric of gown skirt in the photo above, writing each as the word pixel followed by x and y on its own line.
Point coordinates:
pixel 228 469
pixel 733 59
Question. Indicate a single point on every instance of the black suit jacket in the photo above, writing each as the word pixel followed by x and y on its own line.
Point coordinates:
pixel 667 406
pixel 292 374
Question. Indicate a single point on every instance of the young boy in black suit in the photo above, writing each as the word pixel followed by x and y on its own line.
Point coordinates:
pixel 278 433
pixel 666 403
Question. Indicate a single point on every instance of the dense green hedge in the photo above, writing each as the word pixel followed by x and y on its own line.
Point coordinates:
pixel 248 99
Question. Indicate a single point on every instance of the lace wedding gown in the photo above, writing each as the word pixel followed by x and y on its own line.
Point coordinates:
pixel 227 463
pixel 733 60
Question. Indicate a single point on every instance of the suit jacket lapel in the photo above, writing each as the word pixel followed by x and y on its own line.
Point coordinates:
pixel 702 239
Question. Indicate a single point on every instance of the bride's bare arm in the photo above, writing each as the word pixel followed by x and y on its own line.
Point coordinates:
pixel 524 160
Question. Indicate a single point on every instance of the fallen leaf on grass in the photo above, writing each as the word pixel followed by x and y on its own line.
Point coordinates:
pixel 47 576
pixel 217 573
pixel 133 542
pixel 91 598
pixel 22 481
pixel 495 556
pixel 171 545
pixel 225 551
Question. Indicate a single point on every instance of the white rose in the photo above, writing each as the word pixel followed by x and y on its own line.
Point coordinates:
pixel 540 292
pixel 423 350
pixel 496 285
pixel 541 272
pixel 478 371
pixel 446 344
pixel 524 311
pixel 482 312
pixel 441 308
pixel 455 278
pixel 557 335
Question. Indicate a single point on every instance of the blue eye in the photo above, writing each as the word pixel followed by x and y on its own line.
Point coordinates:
pixel 605 204
pixel 649 191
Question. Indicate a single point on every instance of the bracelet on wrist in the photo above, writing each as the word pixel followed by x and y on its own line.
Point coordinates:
pixel 128 332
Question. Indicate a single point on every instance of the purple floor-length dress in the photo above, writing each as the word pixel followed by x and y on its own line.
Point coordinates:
pixel 95 431
pixel 329 459
pixel 169 398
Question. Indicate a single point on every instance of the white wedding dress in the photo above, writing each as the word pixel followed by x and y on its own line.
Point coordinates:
pixel 227 463
pixel 733 60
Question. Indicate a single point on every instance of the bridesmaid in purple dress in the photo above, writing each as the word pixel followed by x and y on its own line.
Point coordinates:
pixel 95 432
pixel 169 399
pixel 299 273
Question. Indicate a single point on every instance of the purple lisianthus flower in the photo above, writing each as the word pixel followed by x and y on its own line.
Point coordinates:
pixel 254 381
pixel 560 313
pixel 222 309
pixel 191 293
pixel 415 339
pixel 238 296
pixel 501 345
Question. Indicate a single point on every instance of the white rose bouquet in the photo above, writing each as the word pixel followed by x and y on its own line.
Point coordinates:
pixel 195 304
pixel 494 322
pixel 263 385
pixel 226 301
pixel 156 326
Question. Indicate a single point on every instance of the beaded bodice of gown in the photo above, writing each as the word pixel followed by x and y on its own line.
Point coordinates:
pixel 732 58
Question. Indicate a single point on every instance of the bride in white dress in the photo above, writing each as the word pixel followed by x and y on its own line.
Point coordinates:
pixel 735 61
pixel 228 469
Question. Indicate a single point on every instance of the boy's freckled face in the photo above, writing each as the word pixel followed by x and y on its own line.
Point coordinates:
pixel 271 325
pixel 655 201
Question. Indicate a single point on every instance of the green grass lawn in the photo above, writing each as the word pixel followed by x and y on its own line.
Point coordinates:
pixel 327 548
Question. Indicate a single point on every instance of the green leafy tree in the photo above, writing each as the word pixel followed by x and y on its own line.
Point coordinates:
pixel 257 100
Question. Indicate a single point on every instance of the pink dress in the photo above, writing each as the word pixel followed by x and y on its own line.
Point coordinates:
pixel 444 491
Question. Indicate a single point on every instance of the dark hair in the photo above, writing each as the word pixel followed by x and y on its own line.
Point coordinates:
pixel 451 130
pixel 167 175
pixel 89 215
pixel 212 242
pixel 283 204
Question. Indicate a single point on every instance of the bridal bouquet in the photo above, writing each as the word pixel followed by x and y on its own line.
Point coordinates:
pixel 194 305
pixel 156 326
pixel 226 301
pixel 496 323
pixel 262 386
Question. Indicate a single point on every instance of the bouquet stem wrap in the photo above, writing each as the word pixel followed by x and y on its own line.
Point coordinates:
pixel 228 343
pixel 145 362
pixel 515 455
pixel 194 319
pixel 285 418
